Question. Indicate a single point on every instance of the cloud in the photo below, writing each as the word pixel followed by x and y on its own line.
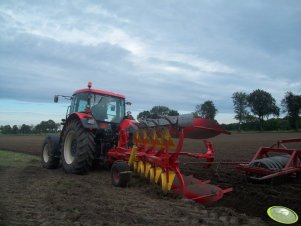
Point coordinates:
pixel 176 53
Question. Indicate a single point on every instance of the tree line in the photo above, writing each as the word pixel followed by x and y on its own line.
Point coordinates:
pixel 253 111
pixel 43 127
pixel 157 111
pixel 258 106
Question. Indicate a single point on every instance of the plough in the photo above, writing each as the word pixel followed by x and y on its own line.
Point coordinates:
pixel 148 149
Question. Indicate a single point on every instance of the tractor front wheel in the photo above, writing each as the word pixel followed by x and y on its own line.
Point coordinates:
pixel 120 174
pixel 50 153
pixel 77 148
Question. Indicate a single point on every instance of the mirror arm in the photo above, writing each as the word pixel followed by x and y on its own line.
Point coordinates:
pixel 56 97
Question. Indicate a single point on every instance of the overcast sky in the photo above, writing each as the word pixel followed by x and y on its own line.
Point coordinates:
pixel 173 53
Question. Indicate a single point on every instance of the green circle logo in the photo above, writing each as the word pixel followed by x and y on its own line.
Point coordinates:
pixel 282 214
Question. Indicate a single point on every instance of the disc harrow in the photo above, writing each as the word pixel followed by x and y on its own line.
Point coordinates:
pixel 149 149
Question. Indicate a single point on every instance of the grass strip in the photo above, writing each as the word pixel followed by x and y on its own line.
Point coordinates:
pixel 15 159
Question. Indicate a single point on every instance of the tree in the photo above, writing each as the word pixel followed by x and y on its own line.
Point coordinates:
pixel 46 127
pixel 240 103
pixel 25 129
pixel 262 104
pixel 15 129
pixel 58 126
pixel 143 115
pixel 38 128
pixel 160 110
pixel 206 110
pixel 292 105
pixel 6 129
pixel 156 112
pixel 173 113
pixel 51 126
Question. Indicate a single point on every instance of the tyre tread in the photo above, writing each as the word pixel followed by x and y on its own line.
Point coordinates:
pixel 54 154
pixel 85 148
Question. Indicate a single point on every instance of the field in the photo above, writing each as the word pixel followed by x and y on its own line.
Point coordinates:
pixel 31 195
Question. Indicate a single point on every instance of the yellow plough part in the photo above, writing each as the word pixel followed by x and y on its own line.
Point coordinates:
pixel 166 186
pixel 135 166
pixel 145 137
pixel 166 138
pixel 147 169
pixel 140 169
pixel 133 159
pixel 154 140
pixel 154 174
pixel 140 137
pixel 133 156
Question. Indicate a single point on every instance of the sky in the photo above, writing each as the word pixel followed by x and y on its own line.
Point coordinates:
pixel 161 52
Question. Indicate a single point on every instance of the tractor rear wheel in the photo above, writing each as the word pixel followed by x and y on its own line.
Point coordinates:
pixel 50 153
pixel 120 174
pixel 77 148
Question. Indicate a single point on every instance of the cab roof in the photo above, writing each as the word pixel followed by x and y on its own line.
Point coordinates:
pixel 98 91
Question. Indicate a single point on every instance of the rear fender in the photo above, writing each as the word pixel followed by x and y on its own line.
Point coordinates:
pixel 128 125
pixel 127 128
pixel 86 120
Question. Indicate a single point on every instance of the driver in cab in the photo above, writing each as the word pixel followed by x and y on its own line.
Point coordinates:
pixel 100 110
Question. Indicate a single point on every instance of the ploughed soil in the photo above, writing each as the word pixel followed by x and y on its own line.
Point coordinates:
pixel 32 195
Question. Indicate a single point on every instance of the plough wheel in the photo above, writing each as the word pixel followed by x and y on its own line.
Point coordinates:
pixel 120 174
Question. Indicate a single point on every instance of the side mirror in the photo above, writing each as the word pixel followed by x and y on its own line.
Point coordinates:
pixel 128 103
pixel 56 98
pixel 63 121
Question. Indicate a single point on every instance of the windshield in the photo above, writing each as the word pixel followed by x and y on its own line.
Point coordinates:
pixel 103 108
pixel 107 108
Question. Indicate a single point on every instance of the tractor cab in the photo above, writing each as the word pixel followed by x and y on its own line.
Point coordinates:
pixel 104 106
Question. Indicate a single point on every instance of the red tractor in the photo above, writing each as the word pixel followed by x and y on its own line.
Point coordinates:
pixel 96 129
pixel 89 130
